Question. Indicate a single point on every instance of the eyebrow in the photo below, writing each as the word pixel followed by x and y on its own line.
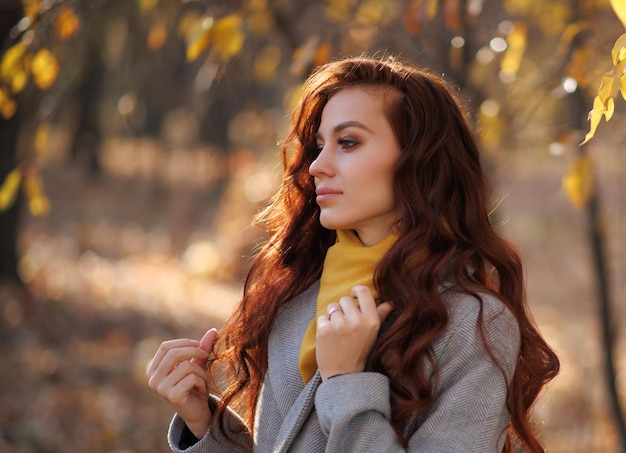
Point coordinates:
pixel 346 124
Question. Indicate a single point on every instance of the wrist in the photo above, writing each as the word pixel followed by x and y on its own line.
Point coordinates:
pixel 198 429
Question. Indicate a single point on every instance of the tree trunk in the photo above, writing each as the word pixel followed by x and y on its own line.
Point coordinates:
pixel 10 14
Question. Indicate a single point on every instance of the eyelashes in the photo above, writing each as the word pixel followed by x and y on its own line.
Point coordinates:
pixel 343 142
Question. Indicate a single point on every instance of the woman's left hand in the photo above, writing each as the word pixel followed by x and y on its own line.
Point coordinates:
pixel 347 332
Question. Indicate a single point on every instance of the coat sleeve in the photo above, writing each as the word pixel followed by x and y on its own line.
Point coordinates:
pixel 213 441
pixel 469 412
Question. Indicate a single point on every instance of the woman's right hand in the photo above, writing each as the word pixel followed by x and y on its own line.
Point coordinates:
pixel 177 375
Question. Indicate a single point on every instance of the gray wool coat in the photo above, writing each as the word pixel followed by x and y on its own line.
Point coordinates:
pixel 351 413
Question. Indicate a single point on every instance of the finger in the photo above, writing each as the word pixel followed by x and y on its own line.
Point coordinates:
pixel 208 340
pixel 366 300
pixel 383 310
pixel 333 308
pixel 206 344
pixel 349 307
pixel 173 358
pixel 167 346
pixel 178 392
pixel 163 384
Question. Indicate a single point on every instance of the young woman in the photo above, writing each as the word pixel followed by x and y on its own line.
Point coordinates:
pixel 383 313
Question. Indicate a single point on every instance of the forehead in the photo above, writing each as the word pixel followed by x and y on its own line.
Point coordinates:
pixel 355 102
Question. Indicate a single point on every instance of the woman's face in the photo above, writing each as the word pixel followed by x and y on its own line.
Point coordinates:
pixel 354 168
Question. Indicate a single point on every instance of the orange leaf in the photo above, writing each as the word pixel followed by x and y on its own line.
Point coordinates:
pixel 157 36
pixel 67 24
pixel 7 104
pixel 451 14
pixel 31 8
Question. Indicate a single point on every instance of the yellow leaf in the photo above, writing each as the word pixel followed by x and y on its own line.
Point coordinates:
pixel 260 22
pixel 8 109
pixel 622 85
pixel 38 203
pixel 618 53
pixel 186 22
pixel 431 8
pixel 227 36
pixel 266 64
pixel 8 190
pixel 339 10
pixel 370 12
pixel 595 115
pixel 11 61
pixel 619 6
pixel 199 37
pixel 147 5
pixel 516 41
pixel 578 182
pixel 67 24
pixel 42 138
pixel 45 68
pixel 7 104
pixel 19 80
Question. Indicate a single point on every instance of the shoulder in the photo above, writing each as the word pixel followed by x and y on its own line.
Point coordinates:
pixel 477 326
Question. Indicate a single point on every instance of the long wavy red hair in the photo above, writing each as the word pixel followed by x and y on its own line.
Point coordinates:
pixel 442 192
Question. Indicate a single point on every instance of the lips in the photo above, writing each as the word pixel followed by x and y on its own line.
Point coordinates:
pixel 325 193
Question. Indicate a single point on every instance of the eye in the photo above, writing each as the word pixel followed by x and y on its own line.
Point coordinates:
pixel 347 142
pixel 318 148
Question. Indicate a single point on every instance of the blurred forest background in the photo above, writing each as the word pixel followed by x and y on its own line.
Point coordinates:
pixel 139 137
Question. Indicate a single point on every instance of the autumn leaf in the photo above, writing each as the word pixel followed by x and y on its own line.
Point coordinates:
pixel 516 46
pixel 146 6
pixel 7 104
pixel 31 8
pixel 451 14
pixel 67 24
pixel 323 54
pixel 339 10
pixel 11 61
pixel 38 203
pixel 578 182
pixel 9 189
pixel 45 68
pixel 619 6
pixel 418 13
pixel 42 138
pixel 612 82
pixel 266 64
pixel 157 36
pixel 228 37
pixel 199 37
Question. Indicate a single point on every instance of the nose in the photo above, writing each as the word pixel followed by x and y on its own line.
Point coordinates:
pixel 321 165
